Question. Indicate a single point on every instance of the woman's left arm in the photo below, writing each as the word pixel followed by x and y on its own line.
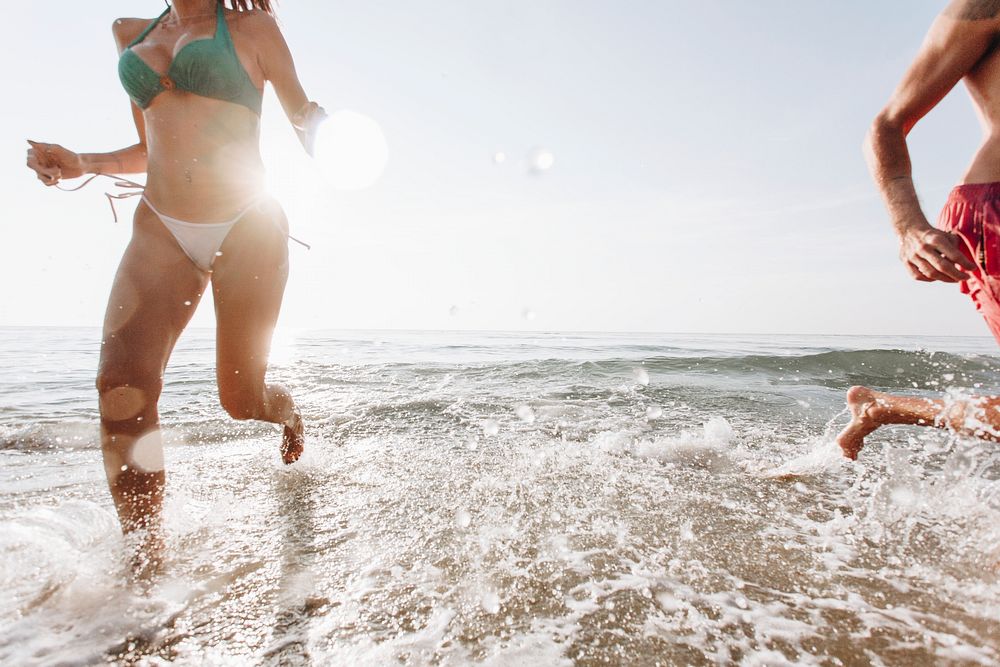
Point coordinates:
pixel 275 61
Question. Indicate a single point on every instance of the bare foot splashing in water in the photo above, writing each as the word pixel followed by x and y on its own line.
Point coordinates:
pixel 866 416
pixel 293 439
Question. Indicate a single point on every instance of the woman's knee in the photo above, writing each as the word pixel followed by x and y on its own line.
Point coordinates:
pixel 241 400
pixel 126 394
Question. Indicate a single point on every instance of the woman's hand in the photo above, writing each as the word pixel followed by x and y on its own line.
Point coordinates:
pixel 306 121
pixel 52 162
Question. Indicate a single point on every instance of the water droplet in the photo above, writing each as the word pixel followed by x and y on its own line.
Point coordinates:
pixel 687 534
pixel 540 160
pixel 491 427
pixel 654 411
pixel 490 602
pixel 525 414
pixel 640 375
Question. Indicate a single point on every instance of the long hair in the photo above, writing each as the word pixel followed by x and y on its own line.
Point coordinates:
pixel 248 5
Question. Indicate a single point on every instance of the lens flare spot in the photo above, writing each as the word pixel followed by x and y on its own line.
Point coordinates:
pixel 540 160
pixel 124 302
pixel 122 403
pixel 351 150
pixel 147 452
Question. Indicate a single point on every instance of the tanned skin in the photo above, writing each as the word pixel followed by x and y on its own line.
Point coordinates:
pixel 962 45
pixel 203 164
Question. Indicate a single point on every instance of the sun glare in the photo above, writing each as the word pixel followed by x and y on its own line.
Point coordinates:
pixel 351 150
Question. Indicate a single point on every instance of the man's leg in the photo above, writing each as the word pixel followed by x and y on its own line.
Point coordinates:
pixel 977 416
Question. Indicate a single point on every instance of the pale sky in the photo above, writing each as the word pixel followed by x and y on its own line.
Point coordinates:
pixel 708 174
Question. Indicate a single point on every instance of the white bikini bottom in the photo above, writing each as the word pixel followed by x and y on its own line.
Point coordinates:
pixel 200 241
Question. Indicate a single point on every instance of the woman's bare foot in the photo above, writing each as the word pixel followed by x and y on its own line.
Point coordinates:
pixel 293 440
pixel 866 413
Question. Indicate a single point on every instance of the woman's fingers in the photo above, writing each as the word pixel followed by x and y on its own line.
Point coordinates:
pixel 41 161
pixel 49 176
pixel 43 152
pixel 46 174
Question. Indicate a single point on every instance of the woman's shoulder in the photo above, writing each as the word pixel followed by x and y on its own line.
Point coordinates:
pixel 127 29
pixel 251 21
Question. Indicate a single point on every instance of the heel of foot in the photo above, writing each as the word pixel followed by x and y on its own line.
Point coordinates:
pixel 293 439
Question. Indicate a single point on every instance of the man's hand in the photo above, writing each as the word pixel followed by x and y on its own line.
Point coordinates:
pixel 52 162
pixel 931 254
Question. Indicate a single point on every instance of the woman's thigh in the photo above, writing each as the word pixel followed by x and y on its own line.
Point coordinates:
pixel 154 294
pixel 248 283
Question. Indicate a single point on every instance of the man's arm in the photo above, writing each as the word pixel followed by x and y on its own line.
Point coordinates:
pixel 957 41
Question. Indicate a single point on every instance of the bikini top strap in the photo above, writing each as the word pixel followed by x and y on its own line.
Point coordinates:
pixel 149 28
pixel 221 28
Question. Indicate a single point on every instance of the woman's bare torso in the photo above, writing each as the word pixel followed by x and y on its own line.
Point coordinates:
pixel 983 82
pixel 203 154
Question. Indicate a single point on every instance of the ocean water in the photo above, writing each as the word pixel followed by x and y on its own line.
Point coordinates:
pixel 529 499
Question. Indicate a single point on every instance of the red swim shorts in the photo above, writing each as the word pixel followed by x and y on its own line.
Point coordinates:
pixel 973 214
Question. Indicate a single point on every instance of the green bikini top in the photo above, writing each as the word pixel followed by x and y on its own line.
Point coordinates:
pixel 206 67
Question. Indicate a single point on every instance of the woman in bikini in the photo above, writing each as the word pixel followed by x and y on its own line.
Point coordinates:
pixel 195 76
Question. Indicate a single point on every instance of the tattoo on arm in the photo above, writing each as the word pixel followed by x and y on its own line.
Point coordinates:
pixel 973 10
